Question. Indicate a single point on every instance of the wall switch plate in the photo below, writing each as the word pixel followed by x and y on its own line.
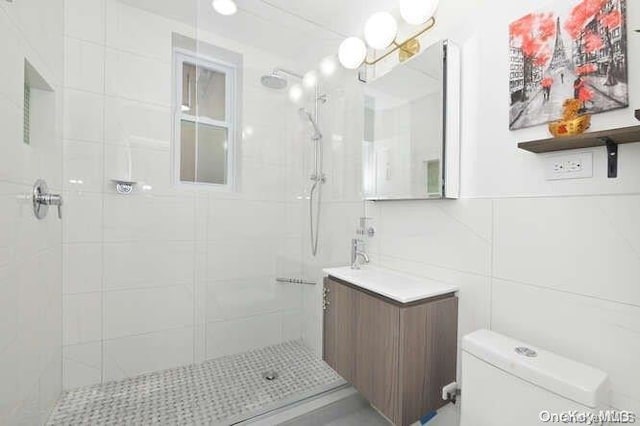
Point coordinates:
pixel 572 166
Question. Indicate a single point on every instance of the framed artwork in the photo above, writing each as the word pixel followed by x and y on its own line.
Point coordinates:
pixel 578 50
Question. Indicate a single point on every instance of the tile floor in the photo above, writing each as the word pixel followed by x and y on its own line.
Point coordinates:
pixel 217 392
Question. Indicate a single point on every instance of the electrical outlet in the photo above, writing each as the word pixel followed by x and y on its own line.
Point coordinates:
pixel 574 166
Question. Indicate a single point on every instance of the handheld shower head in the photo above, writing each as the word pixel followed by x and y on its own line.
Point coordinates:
pixel 306 116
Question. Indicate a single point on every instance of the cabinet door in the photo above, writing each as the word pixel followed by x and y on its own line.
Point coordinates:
pixel 377 352
pixel 428 351
pixel 339 328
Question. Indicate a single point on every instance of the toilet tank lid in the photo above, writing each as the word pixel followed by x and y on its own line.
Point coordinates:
pixel 570 379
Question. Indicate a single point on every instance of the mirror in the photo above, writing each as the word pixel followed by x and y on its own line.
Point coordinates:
pixel 411 132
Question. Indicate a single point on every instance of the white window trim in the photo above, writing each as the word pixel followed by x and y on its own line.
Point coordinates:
pixel 231 123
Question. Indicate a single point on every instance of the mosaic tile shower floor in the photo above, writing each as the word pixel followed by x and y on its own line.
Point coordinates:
pixel 216 392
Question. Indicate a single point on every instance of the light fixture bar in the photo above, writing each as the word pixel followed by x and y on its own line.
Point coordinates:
pixel 404 45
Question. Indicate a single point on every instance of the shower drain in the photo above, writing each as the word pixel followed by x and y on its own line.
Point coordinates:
pixel 270 376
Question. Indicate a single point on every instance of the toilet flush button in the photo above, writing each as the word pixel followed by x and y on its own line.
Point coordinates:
pixel 528 352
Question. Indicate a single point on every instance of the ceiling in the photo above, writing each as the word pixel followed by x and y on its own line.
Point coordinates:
pixel 302 30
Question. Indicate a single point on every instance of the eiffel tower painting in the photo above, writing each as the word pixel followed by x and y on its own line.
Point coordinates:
pixel 571 49
pixel 559 59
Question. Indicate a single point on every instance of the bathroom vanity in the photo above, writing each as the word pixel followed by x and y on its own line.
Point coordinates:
pixel 393 337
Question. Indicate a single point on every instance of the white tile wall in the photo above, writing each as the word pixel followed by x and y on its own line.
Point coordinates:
pixel 84 65
pixel 588 246
pixel 590 330
pixel 84 115
pixel 136 77
pixel 235 336
pixel 30 250
pixel 82 166
pixel 136 124
pixel 135 355
pixel 84 19
pixel 82 364
pixel 559 272
pixel 168 275
pixel 82 318
pixel 131 312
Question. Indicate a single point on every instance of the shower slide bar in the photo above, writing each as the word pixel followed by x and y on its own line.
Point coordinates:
pixel 294 281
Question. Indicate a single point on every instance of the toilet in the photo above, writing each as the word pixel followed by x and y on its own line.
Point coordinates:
pixel 506 382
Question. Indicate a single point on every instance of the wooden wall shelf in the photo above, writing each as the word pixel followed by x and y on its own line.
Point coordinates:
pixel 609 138
pixel 585 140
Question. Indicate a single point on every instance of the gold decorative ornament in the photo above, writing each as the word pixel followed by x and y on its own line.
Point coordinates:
pixel 572 122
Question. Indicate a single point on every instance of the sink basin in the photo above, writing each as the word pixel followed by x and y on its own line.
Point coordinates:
pixel 398 286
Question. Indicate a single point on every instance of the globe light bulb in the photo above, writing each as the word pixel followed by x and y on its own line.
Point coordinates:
pixel 417 12
pixel 352 53
pixel 225 7
pixel 380 30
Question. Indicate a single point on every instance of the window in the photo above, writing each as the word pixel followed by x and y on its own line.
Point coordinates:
pixel 206 120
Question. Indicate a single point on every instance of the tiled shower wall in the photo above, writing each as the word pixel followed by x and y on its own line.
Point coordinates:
pixel 30 249
pixel 169 276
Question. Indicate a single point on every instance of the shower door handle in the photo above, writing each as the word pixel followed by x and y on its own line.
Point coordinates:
pixel 42 199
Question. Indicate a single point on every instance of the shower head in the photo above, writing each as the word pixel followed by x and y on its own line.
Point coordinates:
pixel 306 116
pixel 274 81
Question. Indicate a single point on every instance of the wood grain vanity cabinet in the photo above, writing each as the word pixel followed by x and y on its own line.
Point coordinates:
pixel 398 356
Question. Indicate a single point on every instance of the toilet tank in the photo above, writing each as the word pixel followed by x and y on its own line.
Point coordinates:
pixel 509 383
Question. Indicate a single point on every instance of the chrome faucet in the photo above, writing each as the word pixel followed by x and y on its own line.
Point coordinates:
pixel 357 254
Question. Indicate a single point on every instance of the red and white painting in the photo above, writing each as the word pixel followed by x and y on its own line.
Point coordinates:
pixel 578 50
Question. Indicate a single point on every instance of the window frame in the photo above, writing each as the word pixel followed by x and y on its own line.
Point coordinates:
pixel 231 122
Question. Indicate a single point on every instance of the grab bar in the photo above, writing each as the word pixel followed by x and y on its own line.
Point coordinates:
pixel 294 281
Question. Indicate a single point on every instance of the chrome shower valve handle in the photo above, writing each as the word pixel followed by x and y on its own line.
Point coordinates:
pixel 42 199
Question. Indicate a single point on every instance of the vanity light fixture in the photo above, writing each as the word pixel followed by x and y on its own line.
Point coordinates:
pixel 417 12
pixel 225 7
pixel 352 53
pixel 381 32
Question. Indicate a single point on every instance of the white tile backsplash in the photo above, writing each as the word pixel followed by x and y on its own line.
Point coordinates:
pixel 439 234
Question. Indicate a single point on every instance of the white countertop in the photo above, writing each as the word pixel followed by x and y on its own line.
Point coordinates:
pixel 403 288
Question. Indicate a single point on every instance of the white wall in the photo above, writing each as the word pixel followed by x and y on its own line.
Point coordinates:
pixel 30 250
pixel 169 276
pixel 556 264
